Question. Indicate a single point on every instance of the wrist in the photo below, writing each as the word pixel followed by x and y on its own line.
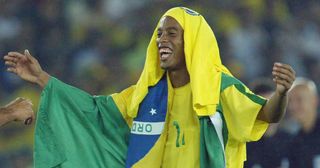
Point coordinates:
pixel 43 79
pixel 282 93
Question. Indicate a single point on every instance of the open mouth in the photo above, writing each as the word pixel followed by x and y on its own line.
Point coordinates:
pixel 165 52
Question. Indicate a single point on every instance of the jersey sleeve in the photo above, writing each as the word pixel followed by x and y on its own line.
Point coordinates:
pixel 240 108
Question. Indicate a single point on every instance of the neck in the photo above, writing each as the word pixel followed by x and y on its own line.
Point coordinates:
pixel 179 78
pixel 308 125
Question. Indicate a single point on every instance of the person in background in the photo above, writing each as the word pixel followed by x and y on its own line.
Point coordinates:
pixel 19 109
pixel 272 149
pixel 303 105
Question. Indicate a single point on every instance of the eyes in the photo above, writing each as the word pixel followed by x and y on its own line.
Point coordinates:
pixel 169 33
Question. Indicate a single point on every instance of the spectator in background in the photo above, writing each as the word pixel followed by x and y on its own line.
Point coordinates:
pixel 303 104
pixel 246 44
pixel 19 109
pixel 272 149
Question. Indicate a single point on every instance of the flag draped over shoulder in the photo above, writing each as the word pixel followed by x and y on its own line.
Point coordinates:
pixel 75 129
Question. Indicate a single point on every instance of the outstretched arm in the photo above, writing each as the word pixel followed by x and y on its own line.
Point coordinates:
pixel 26 67
pixel 274 109
pixel 19 109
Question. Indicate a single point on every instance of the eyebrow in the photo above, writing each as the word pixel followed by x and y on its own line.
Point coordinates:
pixel 169 28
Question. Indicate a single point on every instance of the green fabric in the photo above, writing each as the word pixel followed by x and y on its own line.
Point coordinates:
pixel 77 130
pixel 228 80
pixel 251 96
pixel 224 131
pixel 211 152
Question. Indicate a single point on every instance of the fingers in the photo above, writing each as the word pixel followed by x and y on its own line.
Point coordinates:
pixel 16 56
pixel 26 115
pixel 27 53
pixel 16 60
pixel 283 74
pixel 14 102
pixel 284 83
pixel 284 70
pixel 11 62
pixel 11 58
pixel 30 119
pixel 13 70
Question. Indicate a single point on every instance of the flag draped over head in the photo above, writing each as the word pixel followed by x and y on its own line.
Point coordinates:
pixel 202 61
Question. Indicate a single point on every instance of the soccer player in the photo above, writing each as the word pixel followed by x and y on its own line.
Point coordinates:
pixel 19 109
pixel 186 110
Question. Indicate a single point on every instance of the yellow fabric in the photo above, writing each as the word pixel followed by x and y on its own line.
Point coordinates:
pixel 240 113
pixel 122 101
pixel 202 60
pixel 187 155
pixel 152 157
pixel 240 116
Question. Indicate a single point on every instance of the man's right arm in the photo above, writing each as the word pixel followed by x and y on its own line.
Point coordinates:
pixel 26 67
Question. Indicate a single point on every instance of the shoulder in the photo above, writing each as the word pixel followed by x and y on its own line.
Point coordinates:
pixel 228 80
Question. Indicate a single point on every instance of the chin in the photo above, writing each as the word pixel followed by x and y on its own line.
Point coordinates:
pixel 164 67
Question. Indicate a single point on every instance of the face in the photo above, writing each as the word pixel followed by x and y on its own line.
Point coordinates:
pixel 170 44
pixel 302 103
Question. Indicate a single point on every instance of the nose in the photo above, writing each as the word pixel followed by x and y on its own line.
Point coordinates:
pixel 162 38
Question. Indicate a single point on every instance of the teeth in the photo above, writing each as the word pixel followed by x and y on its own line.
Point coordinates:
pixel 165 51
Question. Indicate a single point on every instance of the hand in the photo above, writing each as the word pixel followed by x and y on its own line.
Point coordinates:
pixel 283 76
pixel 20 109
pixel 26 67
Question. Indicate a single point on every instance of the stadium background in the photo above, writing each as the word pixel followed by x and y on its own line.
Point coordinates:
pixel 99 45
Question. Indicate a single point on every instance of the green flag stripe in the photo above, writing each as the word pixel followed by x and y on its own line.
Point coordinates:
pixel 75 129
pixel 227 80
pixel 251 96
pixel 211 151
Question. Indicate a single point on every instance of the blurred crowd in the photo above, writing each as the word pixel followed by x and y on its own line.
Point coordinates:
pixel 99 46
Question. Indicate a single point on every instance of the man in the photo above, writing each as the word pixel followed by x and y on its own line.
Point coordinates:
pixel 303 98
pixel 19 109
pixel 186 110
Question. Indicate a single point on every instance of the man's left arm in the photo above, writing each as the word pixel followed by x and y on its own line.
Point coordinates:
pixel 274 109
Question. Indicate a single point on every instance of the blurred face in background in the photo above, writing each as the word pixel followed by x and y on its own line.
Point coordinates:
pixel 170 44
pixel 302 103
